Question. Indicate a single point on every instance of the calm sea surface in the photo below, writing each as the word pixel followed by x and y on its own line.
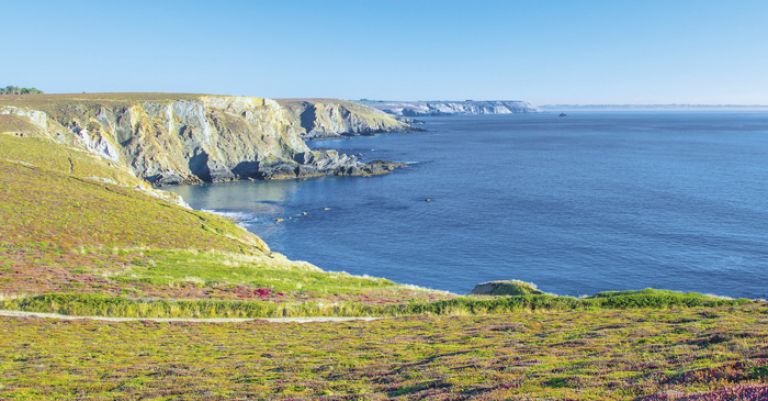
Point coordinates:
pixel 589 202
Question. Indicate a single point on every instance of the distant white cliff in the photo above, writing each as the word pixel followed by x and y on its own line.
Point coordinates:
pixel 440 107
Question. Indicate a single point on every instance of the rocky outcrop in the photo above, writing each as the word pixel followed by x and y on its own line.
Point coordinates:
pixel 323 118
pixel 439 108
pixel 169 139
pixel 505 287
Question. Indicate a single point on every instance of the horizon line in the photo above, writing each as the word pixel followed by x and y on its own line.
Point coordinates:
pixel 364 99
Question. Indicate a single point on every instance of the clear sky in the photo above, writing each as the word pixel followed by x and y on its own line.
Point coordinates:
pixel 544 51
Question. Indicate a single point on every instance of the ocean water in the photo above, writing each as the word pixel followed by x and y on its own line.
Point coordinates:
pixel 585 203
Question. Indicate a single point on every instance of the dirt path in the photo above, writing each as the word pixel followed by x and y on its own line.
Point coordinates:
pixel 13 313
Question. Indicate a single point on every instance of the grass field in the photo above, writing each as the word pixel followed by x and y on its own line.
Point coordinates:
pixel 541 355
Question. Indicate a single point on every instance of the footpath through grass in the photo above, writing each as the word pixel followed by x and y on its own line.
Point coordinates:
pixel 625 354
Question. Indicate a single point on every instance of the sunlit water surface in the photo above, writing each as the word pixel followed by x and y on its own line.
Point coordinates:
pixel 589 202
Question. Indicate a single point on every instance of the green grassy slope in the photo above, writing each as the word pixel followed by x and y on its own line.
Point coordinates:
pixel 96 204
pixel 15 124
pixel 73 222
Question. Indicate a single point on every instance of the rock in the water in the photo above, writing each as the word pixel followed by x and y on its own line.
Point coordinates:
pixel 506 287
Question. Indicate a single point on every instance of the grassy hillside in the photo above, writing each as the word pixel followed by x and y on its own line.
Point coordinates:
pixel 543 355
pixel 17 125
pixel 73 222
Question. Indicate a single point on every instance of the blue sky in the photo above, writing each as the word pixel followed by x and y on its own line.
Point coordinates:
pixel 544 51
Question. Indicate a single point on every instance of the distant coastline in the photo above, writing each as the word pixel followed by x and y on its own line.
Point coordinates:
pixel 653 107
pixel 425 108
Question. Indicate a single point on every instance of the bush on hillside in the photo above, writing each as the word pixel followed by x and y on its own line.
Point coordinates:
pixel 15 90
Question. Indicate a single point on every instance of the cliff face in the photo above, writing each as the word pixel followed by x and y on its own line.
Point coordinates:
pixel 169 139
pixel 437 108
pixel 332 118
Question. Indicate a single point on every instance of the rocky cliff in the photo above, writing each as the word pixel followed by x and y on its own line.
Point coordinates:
pixel 169 138
pixel 332 118
pixel 439 107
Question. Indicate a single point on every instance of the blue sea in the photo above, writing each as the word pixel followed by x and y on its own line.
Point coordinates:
pixel 579 204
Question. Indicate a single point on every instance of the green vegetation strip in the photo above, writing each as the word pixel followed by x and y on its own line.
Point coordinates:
pixel 102 305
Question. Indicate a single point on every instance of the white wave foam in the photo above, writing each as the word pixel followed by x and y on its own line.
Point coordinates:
pixel 238 217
